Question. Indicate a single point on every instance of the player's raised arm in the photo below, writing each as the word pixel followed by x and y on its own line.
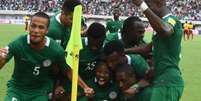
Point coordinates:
pixel 155 10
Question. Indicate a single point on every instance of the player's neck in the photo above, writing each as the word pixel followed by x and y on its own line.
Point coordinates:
pixel 124 59
pixel 38 46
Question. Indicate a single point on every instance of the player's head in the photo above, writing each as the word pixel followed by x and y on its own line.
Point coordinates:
pixel 96 34
pixel 102 73
pixel 133 30
pixel 125 76
pixel 38 27
pixel 67 11
pixel 114 51
pixel 156 5
pixel 116 13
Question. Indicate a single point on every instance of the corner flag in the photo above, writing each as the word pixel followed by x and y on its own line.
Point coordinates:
pixel 73 48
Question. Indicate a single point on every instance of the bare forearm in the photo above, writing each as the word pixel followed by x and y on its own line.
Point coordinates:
pixel 2 63
pixel 162 28
pixel 81 83
pixel 140 50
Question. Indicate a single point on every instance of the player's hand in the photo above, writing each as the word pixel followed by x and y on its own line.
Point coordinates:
pixel 3 53
pixel 59 91
pixel 88 91
pixel 137 2
pixel 130 92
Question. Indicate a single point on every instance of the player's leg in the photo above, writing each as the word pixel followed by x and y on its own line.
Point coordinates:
pixel 188 35
pixel 26 26
pixel 191 33
pixel 185 34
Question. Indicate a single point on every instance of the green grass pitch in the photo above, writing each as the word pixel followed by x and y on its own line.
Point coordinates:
pixel 190 63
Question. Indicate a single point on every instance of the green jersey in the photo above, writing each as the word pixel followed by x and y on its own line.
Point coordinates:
pixel 87 61
pixel 114 26
pixel 166 52
pixel 108 93
pixel 142 95
pixel 58 31
pixel 117 36
pixel 32 67
pixel 137 61
pixel 112 36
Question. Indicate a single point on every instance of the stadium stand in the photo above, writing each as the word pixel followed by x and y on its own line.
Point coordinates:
pixel 184 9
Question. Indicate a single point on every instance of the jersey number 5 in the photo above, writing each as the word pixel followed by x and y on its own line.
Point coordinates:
pixel 36 71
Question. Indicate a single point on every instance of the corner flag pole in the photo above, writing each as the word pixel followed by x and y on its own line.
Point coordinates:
pixel 73 48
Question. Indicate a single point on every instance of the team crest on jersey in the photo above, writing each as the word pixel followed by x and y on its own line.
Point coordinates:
pixel 113 95
pixel 47 63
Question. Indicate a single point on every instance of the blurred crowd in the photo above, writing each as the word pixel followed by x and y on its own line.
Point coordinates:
pixel 184 9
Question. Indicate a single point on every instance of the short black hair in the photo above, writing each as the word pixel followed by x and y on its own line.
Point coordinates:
pixel 129 22
pixel 69 5
pixel 96 30
pixel 113 46
pixel 116 10
pixel 99 63
pixel 125 68
pixel 43 15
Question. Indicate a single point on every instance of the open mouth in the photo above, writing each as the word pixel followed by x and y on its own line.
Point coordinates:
pixel 34 37
pixel 101 81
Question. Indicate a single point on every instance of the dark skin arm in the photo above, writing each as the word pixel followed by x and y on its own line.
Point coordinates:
pixel 162 28
pixel 140 50
pixel 68 72
pixel 3 55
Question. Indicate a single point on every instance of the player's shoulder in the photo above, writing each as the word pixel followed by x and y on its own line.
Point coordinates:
pixel 21 38
pixel 171 19
pixel 113 35
pixel 54 45
pixel 19 42
pixel 109 20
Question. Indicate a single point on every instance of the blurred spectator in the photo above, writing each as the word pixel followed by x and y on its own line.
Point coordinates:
pixel 184 9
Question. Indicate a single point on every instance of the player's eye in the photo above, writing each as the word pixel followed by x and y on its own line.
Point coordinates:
pixel 33 26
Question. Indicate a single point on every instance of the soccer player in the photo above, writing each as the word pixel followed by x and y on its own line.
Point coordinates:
pixel 190 30
pixel 60 29
pixel 83 27
pixel 132 33
pixel 61 23
pixel 186 30
pixel 26 22
pixel 105 88
pixel 115 55
pixel 126 78
pixel 114 25
pixel 167 82
pixel 92 48
pixel 34 55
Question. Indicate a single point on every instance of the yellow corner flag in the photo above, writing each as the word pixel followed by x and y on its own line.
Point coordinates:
pixel 73 48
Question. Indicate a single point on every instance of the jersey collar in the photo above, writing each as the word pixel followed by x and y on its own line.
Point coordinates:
pixel 167 15
pixel 86 41
pixel 46 44
pixel 119 36
pixel 129 59
pixel 58 17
